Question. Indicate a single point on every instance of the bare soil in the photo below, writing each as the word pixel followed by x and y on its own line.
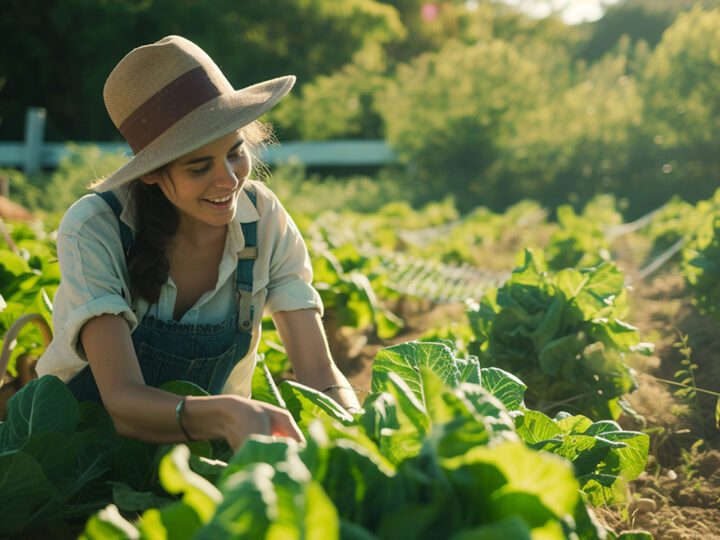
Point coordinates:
pixel 678 495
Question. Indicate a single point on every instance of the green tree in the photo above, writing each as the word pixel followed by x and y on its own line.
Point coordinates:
pixel 343 103
pixel 448 114
pixel 644 20
pixel 682 103
pixel 339 105
pixel 57 54
pixel 581 143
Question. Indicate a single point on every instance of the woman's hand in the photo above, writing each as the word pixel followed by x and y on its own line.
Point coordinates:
pixel 243 417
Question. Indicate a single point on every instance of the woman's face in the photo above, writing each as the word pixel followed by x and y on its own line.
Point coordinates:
pixel 204 185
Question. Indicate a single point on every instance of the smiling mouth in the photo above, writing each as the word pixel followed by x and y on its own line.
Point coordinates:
pixel 220 200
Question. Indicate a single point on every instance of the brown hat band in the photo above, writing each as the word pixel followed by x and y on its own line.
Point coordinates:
pixel 167 106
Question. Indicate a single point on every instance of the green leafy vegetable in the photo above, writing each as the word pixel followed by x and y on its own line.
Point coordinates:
pixel 562 335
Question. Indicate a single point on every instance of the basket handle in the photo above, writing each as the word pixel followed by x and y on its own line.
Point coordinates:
pixel 13 332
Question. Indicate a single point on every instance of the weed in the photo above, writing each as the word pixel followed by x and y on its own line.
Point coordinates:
pixel 689 458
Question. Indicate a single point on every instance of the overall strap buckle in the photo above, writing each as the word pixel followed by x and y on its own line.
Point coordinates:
pixel 244 272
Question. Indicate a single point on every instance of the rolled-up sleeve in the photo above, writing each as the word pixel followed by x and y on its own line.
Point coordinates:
pixel 290 273
pixel 92 282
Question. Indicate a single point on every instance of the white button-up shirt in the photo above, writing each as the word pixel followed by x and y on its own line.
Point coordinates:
pixel 95 279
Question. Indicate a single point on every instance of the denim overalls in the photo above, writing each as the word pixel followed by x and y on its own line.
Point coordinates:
pixel 204 354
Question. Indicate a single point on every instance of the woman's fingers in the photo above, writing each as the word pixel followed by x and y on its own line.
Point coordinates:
pixel 255 417
pixel 283 425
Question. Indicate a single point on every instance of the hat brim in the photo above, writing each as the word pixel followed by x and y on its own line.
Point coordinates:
pixel 208 122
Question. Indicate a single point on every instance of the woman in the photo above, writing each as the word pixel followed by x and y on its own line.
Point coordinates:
pixel 167 268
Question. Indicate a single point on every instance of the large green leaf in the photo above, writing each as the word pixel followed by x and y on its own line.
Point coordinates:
pixel 604 456
pixel 306 404
pixel 535 427
pixel 264 387
pixel 379 414
pixel 629 460
pixel 505 386
pixel 576 424
pixel 394 427
pixel 135 462
pixel 443 406
pixel 405 360
pixel 469 369
pixel 602 489
pixel 277 503
pixel 522 471
pixel 489 408
pixel 56 453
pixel 176 520
pixel 319 518
pixel 584 451
pixel 177 478
pixel 403 440
pixel 23 489
pixel 44 404
pixel 359 480
pixel 259 449
pixel 108 524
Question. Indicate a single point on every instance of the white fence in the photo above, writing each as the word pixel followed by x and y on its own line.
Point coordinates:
pixel 34 153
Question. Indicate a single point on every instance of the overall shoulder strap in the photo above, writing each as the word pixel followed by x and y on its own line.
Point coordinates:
pixel 244 271
pixel 126 234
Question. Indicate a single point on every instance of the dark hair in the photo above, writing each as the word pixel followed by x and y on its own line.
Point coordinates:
pixel 157 221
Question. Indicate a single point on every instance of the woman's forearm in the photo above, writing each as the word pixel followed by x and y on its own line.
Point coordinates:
pixel 148 414
pixel 137 410
pixel 303 336
pixel 339 389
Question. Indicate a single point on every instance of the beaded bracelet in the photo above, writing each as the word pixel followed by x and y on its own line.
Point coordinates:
pixel 178 416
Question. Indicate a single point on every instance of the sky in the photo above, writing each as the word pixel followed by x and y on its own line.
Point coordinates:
pixel 572 11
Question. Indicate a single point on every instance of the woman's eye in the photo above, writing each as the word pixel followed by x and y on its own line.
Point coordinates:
pixel 237 152
pixel 201 170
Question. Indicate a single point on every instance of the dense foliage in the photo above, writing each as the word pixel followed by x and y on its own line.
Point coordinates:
pixel 478 100
pixel 251 41
pixel 29 277
pixel 438 449
pixel 439 436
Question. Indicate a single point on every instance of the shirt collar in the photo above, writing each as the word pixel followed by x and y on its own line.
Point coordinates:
pixel 245 213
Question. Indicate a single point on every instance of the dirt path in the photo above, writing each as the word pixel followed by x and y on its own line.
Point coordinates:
pixel 678 495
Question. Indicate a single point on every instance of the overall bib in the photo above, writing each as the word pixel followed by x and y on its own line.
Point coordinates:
pixel 204 354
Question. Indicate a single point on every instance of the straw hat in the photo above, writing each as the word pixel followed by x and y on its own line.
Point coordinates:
pixel 169 98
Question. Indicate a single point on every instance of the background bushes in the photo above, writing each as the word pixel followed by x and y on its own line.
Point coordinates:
pixel 478 101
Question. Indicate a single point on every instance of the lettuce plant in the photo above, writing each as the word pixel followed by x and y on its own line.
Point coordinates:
pixel 562 334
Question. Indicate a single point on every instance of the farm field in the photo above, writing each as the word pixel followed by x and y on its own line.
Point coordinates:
pixel 544 366
pixel 591 350
pixel 678 494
